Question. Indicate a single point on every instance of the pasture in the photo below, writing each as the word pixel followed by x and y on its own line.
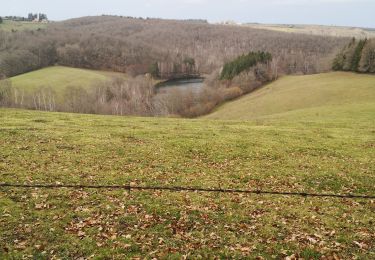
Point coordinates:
pixel 60 77
pixel 335 95
pixel 329 155
pixel 9 26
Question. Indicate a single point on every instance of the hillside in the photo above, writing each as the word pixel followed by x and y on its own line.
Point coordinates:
pixel 319 95
pixel 9 26
pixel 331 156
pixel 323 30
pixel 135 45
pixel 59 77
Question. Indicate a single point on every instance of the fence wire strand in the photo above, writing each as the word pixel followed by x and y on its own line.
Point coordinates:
pixel 181 189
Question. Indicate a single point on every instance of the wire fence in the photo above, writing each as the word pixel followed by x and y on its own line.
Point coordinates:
pixel 180 189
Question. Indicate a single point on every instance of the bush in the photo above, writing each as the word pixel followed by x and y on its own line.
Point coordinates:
pixel 231 93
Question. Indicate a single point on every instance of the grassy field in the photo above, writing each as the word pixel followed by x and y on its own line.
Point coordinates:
pixel 331 155
pixel 59 77
pixel 21 26
pixel 314 97
pixel 324 30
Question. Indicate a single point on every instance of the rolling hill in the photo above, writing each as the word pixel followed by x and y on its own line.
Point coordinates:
pixel 309 97
pixel 299 134
pixel 89 42
pixel 288 156
pixel 9 26
pixel 59 77
pixel 324 30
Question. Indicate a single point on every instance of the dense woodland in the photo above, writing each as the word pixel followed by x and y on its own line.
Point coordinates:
pixel 162 49
pixel 133 45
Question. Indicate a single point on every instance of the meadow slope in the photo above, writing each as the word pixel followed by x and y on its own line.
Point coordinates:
pixel 333 155
pixel 60 77
pixel 9 26
pixel 337 31
pixel 314 97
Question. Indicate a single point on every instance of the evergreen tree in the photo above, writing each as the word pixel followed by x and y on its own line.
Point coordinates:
pixel 243 63
pixel 367 63
pixel 357 55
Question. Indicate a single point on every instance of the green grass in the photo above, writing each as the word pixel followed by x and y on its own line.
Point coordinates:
pixel 329 95
pixel 334 155
pixel 320 140
pixel 59 77
pixel 21 26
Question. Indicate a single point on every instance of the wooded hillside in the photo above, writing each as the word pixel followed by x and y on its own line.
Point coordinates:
pixel 136 45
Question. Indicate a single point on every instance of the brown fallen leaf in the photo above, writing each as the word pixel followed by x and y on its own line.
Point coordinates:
pixel 291 257
pixel 39 206
pixel 360 245
pixel 81 233
pixel 20 244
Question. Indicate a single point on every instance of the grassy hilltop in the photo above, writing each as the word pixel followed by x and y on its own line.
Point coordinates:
pixel 337 95
pixel 60 77
pixel 338 31
pixel 325 146
pixel 8 25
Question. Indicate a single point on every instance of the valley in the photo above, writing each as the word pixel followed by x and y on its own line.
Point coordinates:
pixel 147 138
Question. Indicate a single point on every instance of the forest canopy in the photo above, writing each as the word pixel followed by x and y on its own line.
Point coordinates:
pixel 136 46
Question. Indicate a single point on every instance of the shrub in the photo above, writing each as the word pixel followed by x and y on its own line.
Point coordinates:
pixel 231 93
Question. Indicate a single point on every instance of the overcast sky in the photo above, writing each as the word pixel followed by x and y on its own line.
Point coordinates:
pixel 329 12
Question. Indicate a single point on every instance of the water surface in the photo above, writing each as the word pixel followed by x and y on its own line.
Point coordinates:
pixel 181 85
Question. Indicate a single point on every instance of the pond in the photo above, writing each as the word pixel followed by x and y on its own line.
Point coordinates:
pixel 194 85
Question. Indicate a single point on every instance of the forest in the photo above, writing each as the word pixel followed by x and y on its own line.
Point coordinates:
pixel 161 49
pixel 132 45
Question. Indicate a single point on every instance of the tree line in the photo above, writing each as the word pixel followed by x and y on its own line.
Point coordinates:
pixel 357 56
pixel 116 96
pixel 30 17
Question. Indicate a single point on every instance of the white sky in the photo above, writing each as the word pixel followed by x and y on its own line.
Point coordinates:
pixel 329 12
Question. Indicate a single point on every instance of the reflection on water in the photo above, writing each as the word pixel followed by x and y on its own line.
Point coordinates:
pixel 182 85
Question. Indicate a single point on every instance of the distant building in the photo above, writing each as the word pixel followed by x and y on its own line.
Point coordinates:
pixel 229 22
pixel 36 20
